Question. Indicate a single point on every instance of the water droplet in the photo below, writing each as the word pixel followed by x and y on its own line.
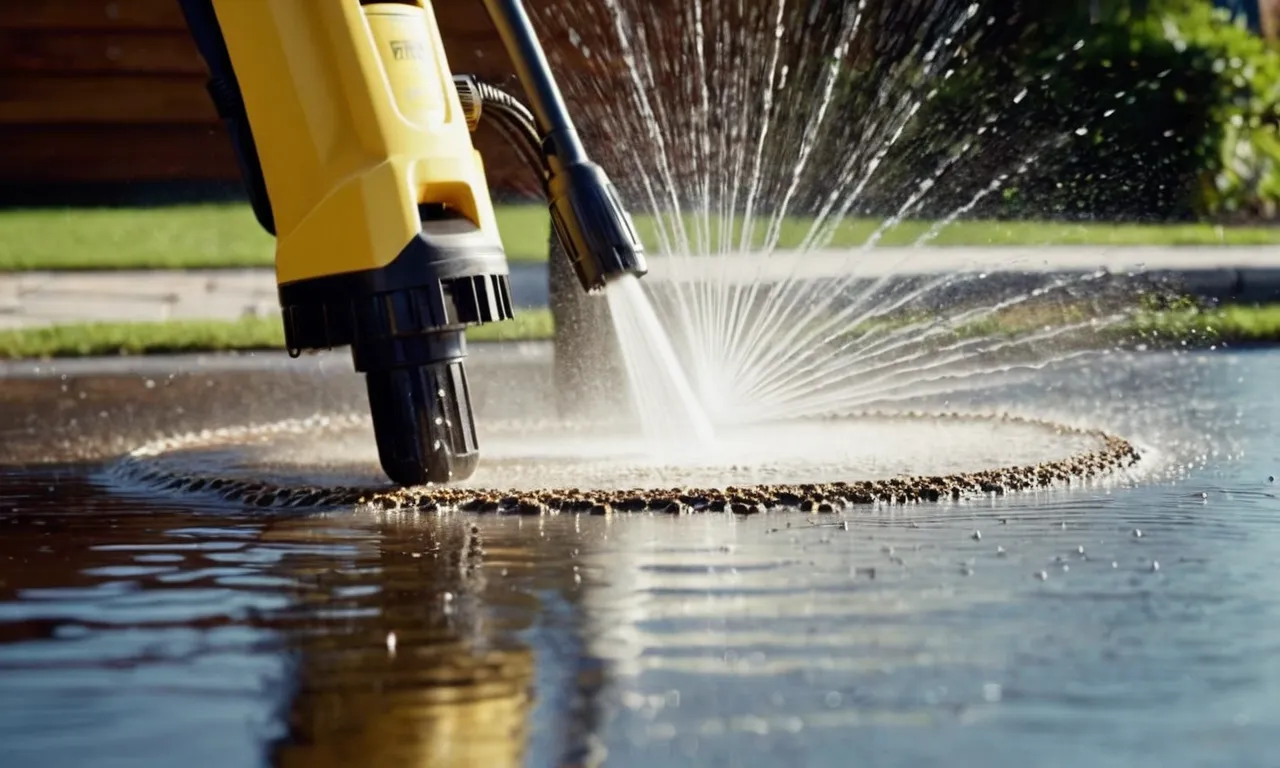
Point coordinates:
pixel 1137 533
pixel 976 535
pixel 1042 575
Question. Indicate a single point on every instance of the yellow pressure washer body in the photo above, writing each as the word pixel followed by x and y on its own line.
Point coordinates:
pixel 354 143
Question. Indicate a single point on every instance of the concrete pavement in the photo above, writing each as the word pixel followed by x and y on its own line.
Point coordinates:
pixel 38 299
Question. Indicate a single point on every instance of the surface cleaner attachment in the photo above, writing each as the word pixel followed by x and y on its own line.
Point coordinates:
pixel 354 142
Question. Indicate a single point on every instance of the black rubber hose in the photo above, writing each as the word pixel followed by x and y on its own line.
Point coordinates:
pixel 495 97
pixel 557 136
pixel 515 137
pixel 515 122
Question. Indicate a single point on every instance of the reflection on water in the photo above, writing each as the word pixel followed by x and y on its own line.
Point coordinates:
pixel 131 631
pixel 397 664
pixel 1107 626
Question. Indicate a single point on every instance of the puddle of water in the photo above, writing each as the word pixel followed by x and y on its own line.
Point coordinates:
pixel 135 631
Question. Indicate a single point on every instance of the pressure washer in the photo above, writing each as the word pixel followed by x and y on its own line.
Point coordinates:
pixel 353 137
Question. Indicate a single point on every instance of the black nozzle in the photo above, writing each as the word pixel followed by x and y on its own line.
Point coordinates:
pixel 420 405
pixel 595 229
pixel 406 324
pixel 423 422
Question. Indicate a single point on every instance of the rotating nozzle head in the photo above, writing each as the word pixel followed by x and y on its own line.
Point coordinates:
pixel 596 231
pixel 423 423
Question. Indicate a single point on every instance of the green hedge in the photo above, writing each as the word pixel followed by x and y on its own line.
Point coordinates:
pixel 1168 112
pixel 1195 133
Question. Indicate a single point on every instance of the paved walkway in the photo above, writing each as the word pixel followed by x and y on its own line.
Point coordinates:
pixel 36 299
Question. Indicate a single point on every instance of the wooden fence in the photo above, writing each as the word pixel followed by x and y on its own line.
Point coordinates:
pixel 113 91
pixel 1269 13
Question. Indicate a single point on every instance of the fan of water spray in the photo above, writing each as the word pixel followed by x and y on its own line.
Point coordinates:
pixel 770 147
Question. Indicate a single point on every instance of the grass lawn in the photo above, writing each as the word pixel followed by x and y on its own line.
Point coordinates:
pixel 187 236
pixel 1228 324
pixel 108 339
pixel 226 235
pixel 1197 328
pixel 855 232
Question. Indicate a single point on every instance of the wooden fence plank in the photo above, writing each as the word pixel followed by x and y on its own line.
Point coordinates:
pixel 113 90
pixel 62 52
pixel 1269 10
pixel 92 15
pixel 463 17
pixel 131 99
pixel 87 154
pixel 456 18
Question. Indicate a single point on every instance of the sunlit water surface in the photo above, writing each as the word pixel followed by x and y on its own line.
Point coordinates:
pixel 1032 630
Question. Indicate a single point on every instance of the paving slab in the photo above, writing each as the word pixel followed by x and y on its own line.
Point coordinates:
pixel 52 310
pixel 882 262
pixel 34 299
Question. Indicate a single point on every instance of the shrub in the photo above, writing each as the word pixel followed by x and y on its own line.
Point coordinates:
pixel 1202 112
pixel 1171 111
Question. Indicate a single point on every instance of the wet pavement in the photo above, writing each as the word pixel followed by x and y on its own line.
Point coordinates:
pixel 1126 624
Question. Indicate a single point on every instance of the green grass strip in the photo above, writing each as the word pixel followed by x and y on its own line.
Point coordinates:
pixel 1225 325
pixel 212 236
pixel 1230 324
pixel 111 339
pixel 216 236
pixel 850 233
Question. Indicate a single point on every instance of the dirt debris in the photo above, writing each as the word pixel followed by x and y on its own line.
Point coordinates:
pixel 1114 454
